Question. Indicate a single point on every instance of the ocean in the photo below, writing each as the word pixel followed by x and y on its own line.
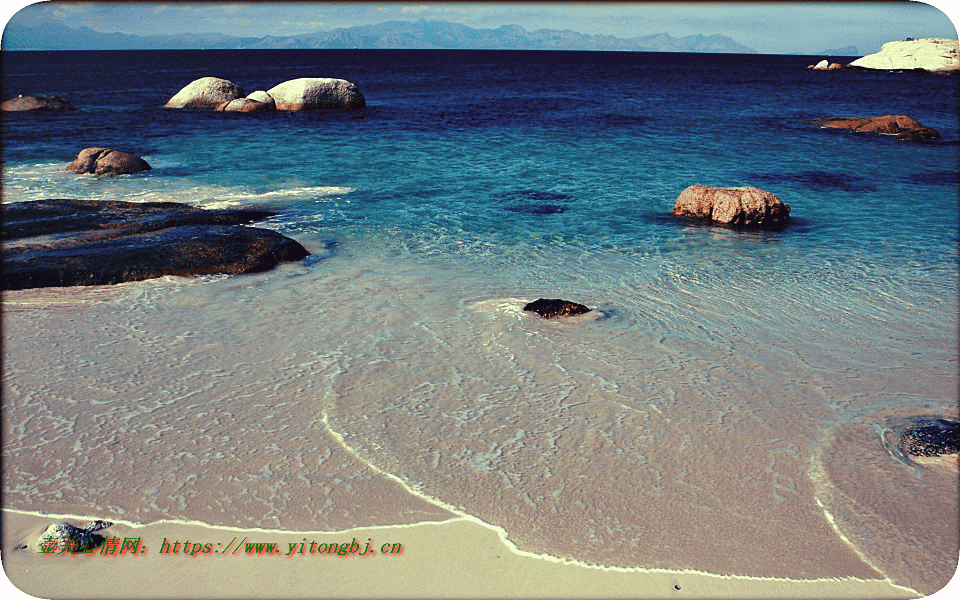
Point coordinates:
pixel 727 407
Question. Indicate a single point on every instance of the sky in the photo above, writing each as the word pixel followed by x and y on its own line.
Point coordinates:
pixel 769 27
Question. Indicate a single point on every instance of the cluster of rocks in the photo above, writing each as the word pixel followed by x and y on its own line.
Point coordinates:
pixel 307 93
pixel 57 243
pixel 825 65
pixel 935 55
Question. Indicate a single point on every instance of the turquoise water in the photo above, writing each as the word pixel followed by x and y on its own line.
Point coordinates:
pixel 698 407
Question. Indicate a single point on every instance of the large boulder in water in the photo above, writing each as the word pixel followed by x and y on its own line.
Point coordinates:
pixel 938 55
pixel 107 162
pixel 24 103
pixel 316 93
pixel 739 207
pixel 206 92
pixel 904 127
pixel 57 243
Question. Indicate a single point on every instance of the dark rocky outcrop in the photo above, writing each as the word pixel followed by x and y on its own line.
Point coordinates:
pixel 55 243
pixel 43 103
pixel 904 127
pixel 737 207
pixel 107 162
pixel 551 309
pixel 931 437
pixel 64 537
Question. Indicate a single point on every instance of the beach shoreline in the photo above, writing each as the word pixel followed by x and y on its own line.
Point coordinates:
pixel 457 558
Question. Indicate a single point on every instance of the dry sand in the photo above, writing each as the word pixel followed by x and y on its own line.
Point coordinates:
pixel 454 559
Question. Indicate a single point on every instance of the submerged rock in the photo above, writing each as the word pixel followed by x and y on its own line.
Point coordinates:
pixel 24 103
pixel 247 105
pixel 931 437
pixel 56 243
pixel 205 93
pixel 551 309
pixel 107 162
pixel 939 55
pixel 537 209
pixel 739 207
pixel 904 127
pixel 316 93
pixel 62 536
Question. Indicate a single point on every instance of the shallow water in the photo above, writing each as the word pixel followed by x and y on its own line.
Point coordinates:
pixel 717 411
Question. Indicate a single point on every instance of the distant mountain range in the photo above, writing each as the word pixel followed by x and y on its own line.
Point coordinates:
pixel 394 34
pixel 845 51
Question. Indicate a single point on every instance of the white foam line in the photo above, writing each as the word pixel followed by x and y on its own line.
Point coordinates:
pixel 502 534
pixel 135 525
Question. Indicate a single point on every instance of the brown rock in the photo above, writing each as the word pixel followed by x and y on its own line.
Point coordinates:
pixel 247 105
pixel 107 162
pixel 551 309
pixel 904 127
pixel 739 207
pixel 23 103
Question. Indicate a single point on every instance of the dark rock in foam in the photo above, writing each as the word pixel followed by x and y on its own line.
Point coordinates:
pixel 55 243
pixel 107 162
pixel 931 437
pixel 551 309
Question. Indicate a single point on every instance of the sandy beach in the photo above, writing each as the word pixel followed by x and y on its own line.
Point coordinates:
pixel 453 559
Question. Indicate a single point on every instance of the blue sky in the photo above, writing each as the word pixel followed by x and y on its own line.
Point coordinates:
pixel 802 27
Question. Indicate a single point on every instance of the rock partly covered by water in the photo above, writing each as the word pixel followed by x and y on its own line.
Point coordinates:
pixel 307 93
pixel 56 243
pixel 931 437
pixel 62 536
pixel 551 309
pixel 825 65
pixel 930 54
pixel 904 127
pixel 316 93
pixel 107 162
pixel 205 93
pixel 247 105
pixel 740 207
pixel 22 103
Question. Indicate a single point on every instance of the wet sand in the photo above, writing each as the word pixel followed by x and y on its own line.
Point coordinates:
pixel 372 397
pixel 453 559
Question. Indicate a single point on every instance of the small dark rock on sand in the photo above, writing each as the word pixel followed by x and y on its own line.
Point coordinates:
pixel 62 536
pixel 931 437
pixel 551 309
